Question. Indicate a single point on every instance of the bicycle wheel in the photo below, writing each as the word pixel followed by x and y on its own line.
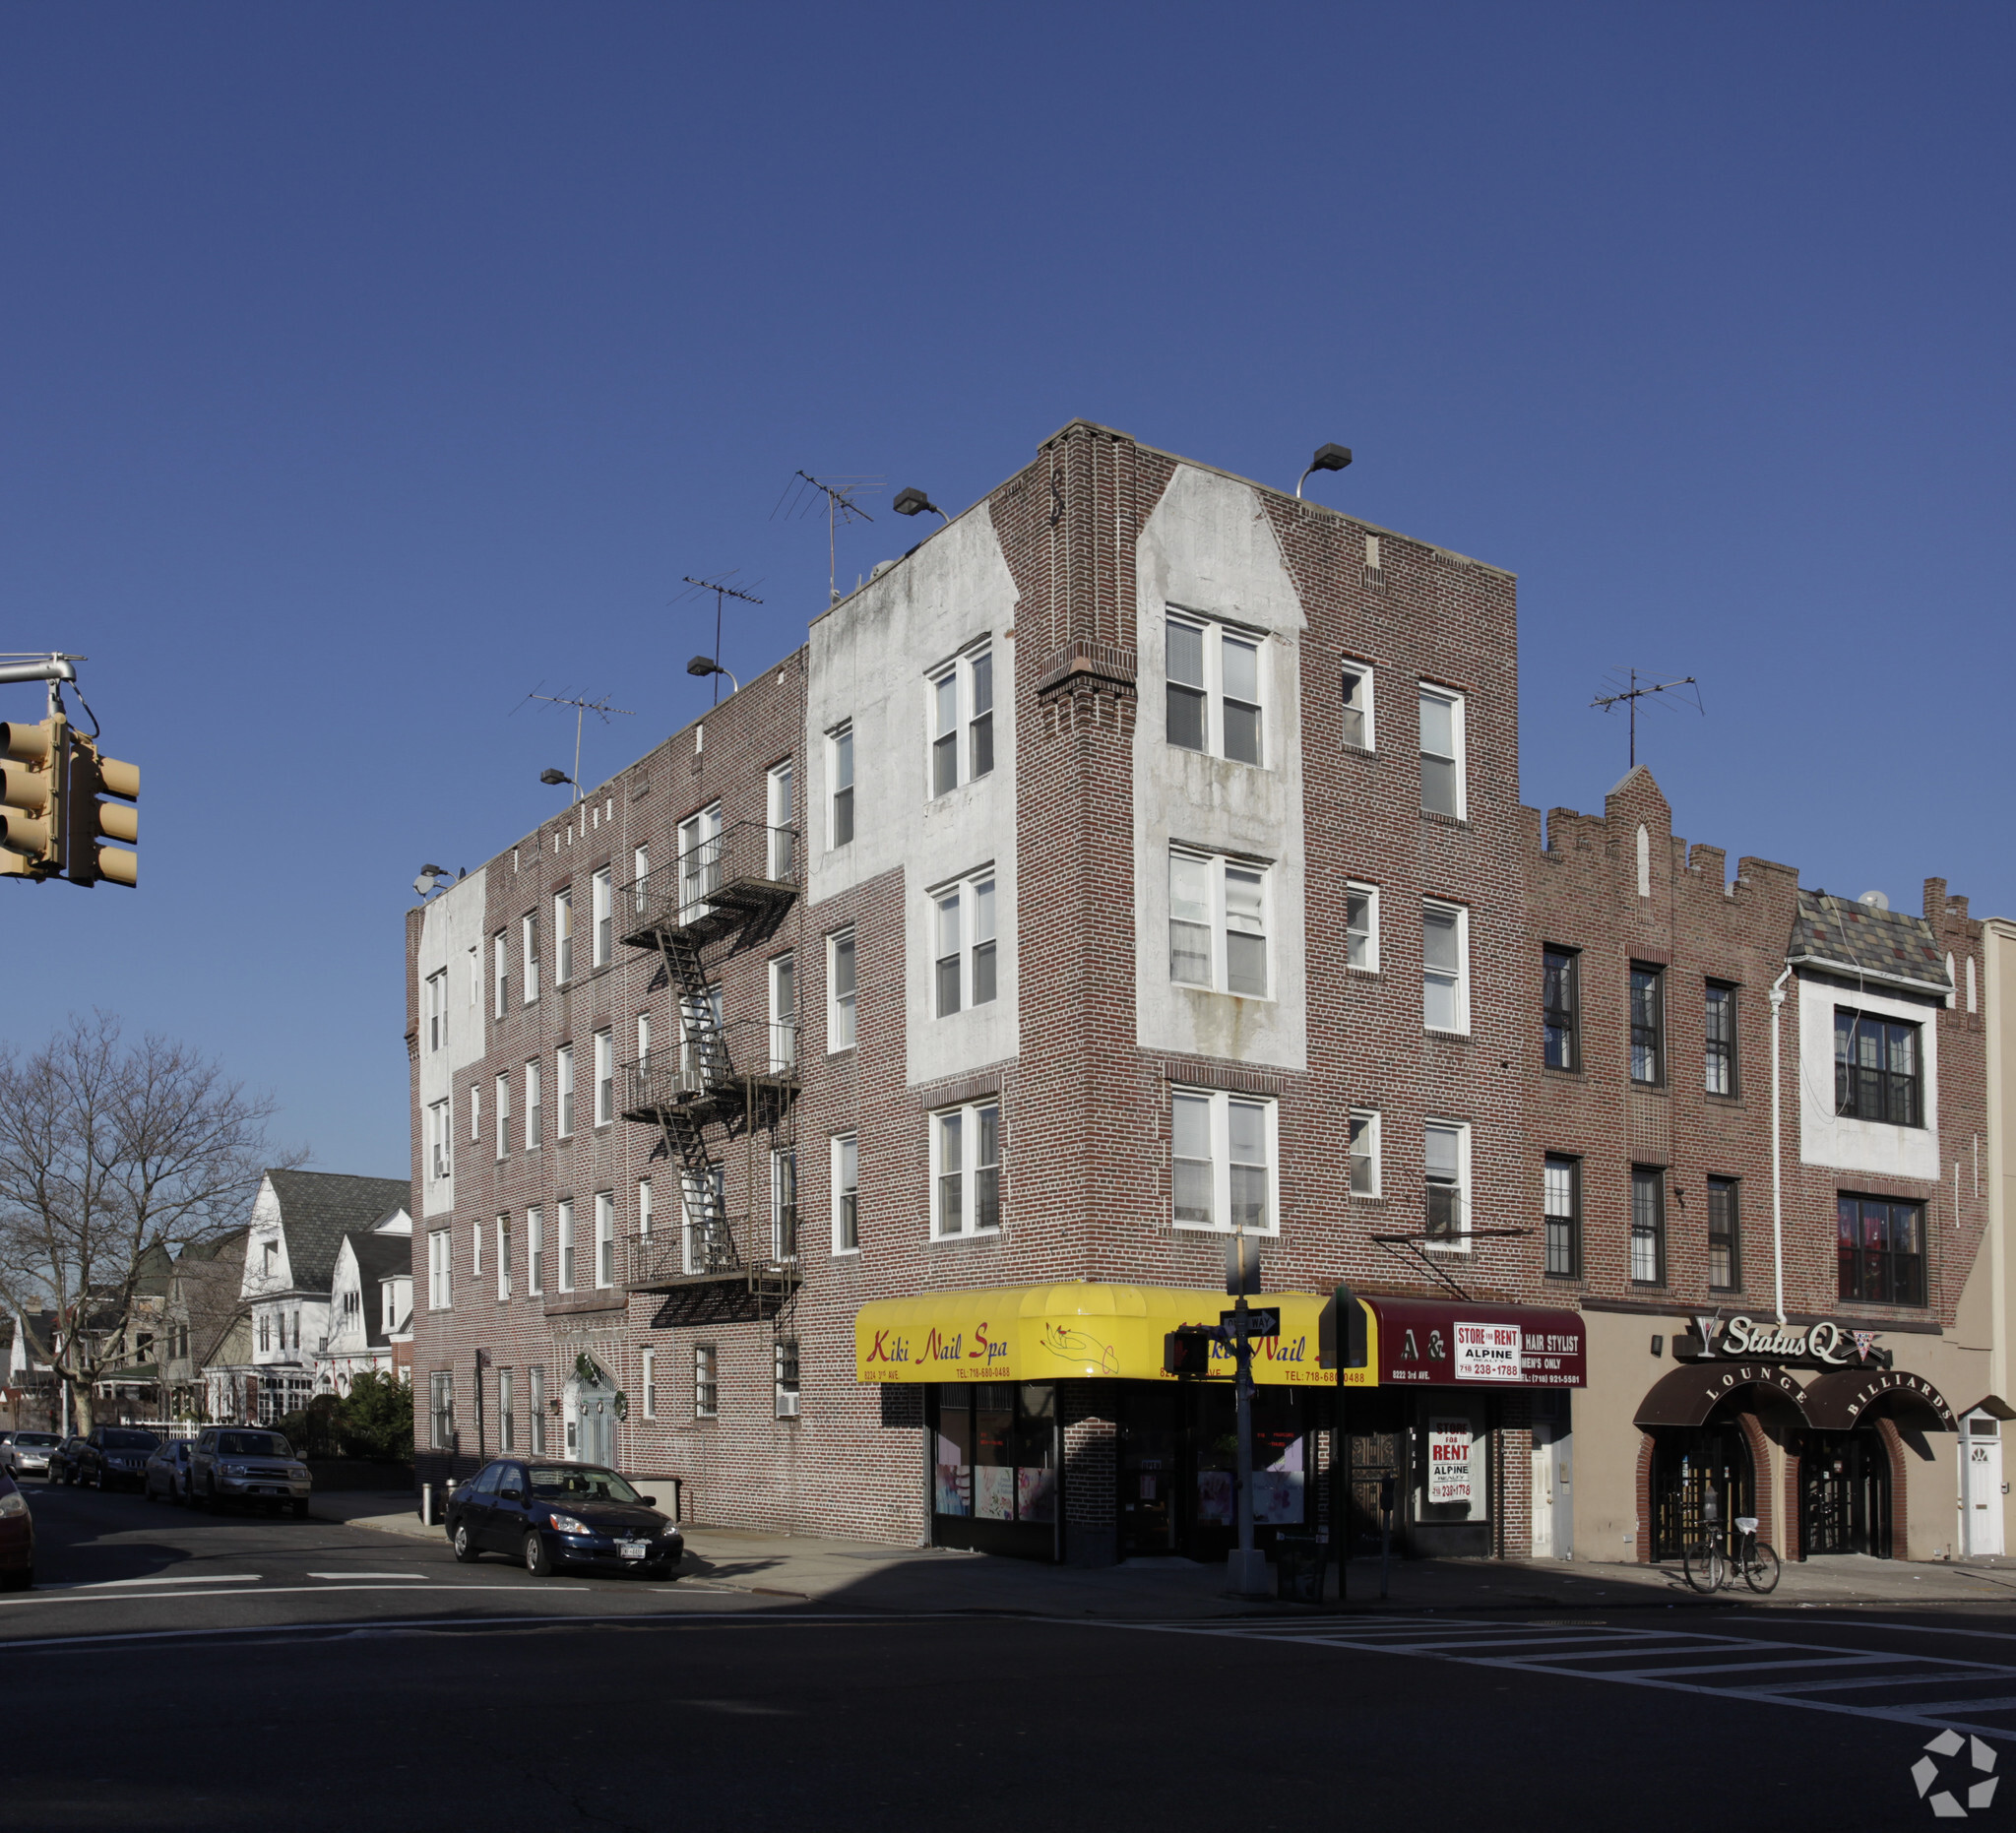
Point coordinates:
pixel 1760 1567
pixel 1701 1563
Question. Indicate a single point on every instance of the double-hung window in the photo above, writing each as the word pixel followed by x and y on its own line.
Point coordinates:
pixel 1214 690
pixel 784 1014
pixel 563 937
pixel 700 863
pixel 532 1105
pixel 1445 967
pixel 846 1198
pixel 1648 1225
pixel 441 1409
pixel 1365 1151
pixel 503 1107
pixel 528 953
pixel 476 1114
pixel 648 1367
pixel 563 1222
pixel 840 991
pixel 1357 706
pixel 706 1383
pixel 1362 927
pixel 1725 1236
pixel 536 1250
pixel 784 1206
pixel 602 917
pixel 563 1086
pixel 1648 1024
pixel 1443 741
pixel 1882 1251
pixel 440 1269
pixel 475 1251
pixel 962 944
pixel 1222 1153
pixel 1559 1008
pixel 1217 924
pixel 507 1410
pixel 440 1162
pixel 1719 1069
pixel 500 971
pixel 840 762
pixel 605 1238
pixel 605 1078
pixel 535 1405
pixel 503 1256
pixel 644 1209
pixel 1877 1070
pixel 961 720
pixel 436 994
pixel 782 835
pixel 965 1169
pixel 1562 1215
pixel 788 1377
pixel 1446 1170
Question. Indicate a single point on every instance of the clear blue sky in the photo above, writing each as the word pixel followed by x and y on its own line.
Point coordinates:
pixel 366 366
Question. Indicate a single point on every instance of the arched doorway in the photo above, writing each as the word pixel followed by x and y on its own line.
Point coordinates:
pixel 1707 1424
pixel 1688 1463
pixel 590 1409
pixel 1844 1493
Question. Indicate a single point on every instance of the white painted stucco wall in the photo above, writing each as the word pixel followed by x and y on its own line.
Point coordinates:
pixel 450 927
pixel 1209 548
pixel 1870 1146
pixel 871 660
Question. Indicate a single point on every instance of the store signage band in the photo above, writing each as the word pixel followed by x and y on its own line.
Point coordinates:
pixel 1825 1344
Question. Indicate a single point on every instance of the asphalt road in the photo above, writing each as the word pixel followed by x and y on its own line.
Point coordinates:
pixel 196 1671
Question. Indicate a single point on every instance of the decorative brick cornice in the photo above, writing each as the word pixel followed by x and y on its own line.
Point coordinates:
pixel 1098 666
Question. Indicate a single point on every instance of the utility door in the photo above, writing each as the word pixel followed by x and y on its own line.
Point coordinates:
pixel 1981 1492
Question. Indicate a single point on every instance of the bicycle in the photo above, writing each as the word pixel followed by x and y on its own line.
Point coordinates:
pixel 1708 1568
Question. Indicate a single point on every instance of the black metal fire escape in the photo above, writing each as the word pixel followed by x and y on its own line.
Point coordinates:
pixel 728 892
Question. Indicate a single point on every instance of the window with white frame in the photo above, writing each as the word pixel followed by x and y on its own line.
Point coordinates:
pixel 507 1410
pixel 786 1354
pixel 604 1239
pixel 605 1078
pixel 440 1269
pixel 701 1018
pixel 503 1256
pixel 536 1250
pixel 840 992
pixel 1215 689
pixel 642 1042
pixel 563 1223
pixel 535 1406
pixel 529 952
pixel 476 1114
pixel 840 770
pixel 640 879
pixel 706 1381
pixel 532 1116
pixel 1217 924
pixel 700 863
pixel 1445 967
pixel 965 1169
pixel 1442 791
pixel 1446 1167
pixel 439 1160
pixel 1357 706
pixel 436 997
pixel 563 1086
pixel 703 1199
pixel 500 970
pixel 647 1370
pixel 784 1013
pixel 475 1251
pixel 962 944
pixel 1365 1151
pixel 846 1197
pixel 601 911
pixel 563 937
pixel 784 1205
pixel 1362 927
pixel 440 1410
pixel 644 1208
pixel 1221 1157
pixel 501 1102
pixel 961 720
pixel 783 836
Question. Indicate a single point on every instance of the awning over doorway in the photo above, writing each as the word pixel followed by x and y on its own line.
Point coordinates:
pixel 1688 1395
pixel 1457 1343
pixel 1075 1331
pixel 1848 1397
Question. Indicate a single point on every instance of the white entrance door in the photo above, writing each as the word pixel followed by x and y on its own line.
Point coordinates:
pixel 1980 1490
pixel 1553 1470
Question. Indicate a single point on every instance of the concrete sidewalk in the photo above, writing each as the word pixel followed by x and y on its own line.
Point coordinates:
pixel 861 1575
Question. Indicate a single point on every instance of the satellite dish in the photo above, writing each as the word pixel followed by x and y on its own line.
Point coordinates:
pixel 1875 900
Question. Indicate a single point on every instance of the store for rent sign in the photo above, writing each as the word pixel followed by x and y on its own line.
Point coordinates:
pixel 1489 1352
pixel 1449 1459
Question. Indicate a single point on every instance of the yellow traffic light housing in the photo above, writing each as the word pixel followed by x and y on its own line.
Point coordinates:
pixel 86 819
pixel 31 798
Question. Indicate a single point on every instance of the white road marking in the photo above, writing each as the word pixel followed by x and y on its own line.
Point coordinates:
pixel 190 1578
pixel 423 1577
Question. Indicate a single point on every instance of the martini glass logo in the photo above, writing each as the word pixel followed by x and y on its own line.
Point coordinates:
pixel 1944 1804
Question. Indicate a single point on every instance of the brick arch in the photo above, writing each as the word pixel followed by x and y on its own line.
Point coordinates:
pixel 1757 1441
pixel 1900 1503
pixel 1644 1497
pixel 1793 1547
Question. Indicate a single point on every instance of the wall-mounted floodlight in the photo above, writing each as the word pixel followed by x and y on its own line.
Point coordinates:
pixel 1328 458
pixel 704 665
pixel 914 502
pixel 555 777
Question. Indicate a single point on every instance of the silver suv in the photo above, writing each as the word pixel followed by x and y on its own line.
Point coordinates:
pixel 246 1464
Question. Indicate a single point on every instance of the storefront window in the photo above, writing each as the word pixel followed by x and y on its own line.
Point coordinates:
pixel 996 1453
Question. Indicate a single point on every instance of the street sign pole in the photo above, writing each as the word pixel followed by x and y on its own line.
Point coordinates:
pixel 1242 1275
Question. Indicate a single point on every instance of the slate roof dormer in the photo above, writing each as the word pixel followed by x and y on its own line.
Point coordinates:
pixel 1842 936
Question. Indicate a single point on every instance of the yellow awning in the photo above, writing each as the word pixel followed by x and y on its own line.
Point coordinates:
pixel 1071 1332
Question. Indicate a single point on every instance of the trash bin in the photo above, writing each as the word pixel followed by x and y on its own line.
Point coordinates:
pixel 1298 1570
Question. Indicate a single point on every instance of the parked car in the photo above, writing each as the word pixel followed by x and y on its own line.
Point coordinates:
pixel 27 1454
pixel 245 1464
pixel 114 1457
pixel 554 1515
pixel 63 1460
pixel 17 1538
pixel 168 1472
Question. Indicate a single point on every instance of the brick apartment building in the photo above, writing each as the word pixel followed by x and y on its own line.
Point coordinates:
pixel 833 1110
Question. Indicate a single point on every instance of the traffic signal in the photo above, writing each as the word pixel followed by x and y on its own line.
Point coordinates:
pixel 31 798
pixel 86 819
pixel 1186 1350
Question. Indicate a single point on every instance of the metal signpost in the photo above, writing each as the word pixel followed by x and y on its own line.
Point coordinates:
pixel 1241 1277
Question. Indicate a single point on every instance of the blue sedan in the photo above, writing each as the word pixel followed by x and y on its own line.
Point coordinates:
pixel 578 1516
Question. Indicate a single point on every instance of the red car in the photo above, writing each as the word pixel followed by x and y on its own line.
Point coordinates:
pixel 17 1538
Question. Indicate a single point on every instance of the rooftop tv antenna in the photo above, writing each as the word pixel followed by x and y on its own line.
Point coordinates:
pixel 1630 691
pixel 721 589
pixel 580 704
pixel 802 495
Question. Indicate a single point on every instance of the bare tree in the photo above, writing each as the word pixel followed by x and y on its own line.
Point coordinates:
pixel 108 1152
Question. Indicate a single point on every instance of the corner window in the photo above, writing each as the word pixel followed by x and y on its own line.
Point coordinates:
pixel 1357 706
pixel 1725 1236
pixel 536 1251
pixel 840 995
pixel 784 1206
pixel 1648 1024
pixel 440 1271
pixel 564 1228
pixel 783 835
pixel 436 997
pixel 648 1380
pixel 1648 1225
pixel 601 916
pixel 503 1256
pixel 563 937
pixel 605 1238
pixel 1362 927
pixel 1562 1215
pixel 532 1116
pixel 963 945
pixel 605 1078
pixel 962 698
pixel 439 1162
pixel 787 1354
pixel 1877 1070
pixel 1217 924
pixel 529 945
pixel 1442 739
pixel 1214 690
pixel 1445 967
pixel 700 863
pixel 1365 1151
pixel 1446 1168
pixel 1719 1069
pixel 965 1169
pixel 502 1103
pixel 1222 1159
pixel 784 1014
pixel 563 1086
pixel 1561 1008
pixel 706 1383
pixel 847 1194
pixel 840 765
pixel 1882 1251
pixel 500 970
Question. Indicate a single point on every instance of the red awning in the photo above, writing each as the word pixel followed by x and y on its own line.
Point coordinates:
pixel 1453 1343
pixel 1693 1391
pixel 1847 1397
